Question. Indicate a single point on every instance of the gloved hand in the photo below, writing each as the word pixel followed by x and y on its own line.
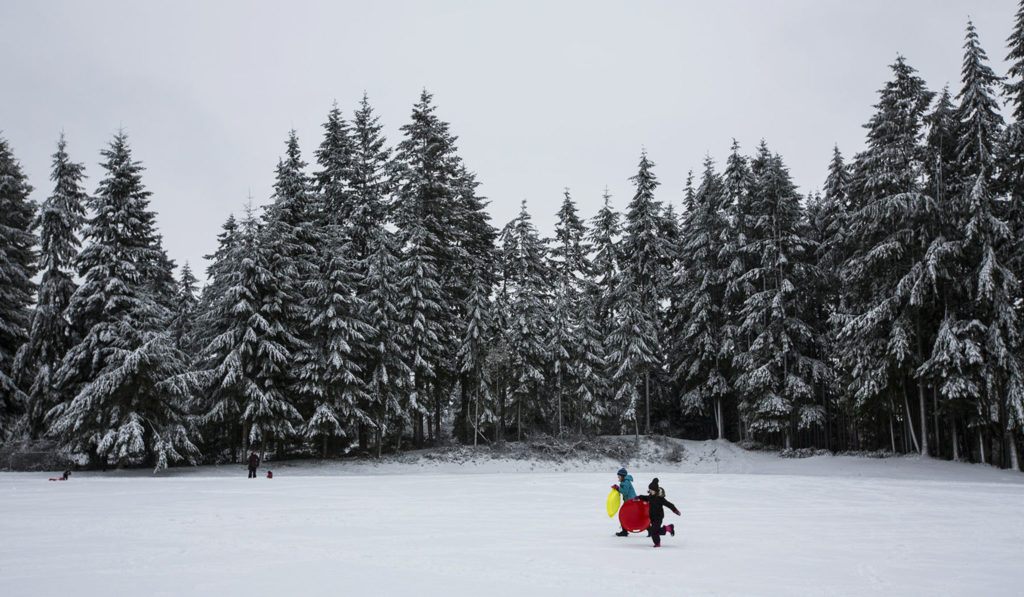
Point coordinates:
pixel 677 512
pixel 615 487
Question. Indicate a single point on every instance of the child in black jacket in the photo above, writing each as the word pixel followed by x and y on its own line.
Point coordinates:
pixel 656 499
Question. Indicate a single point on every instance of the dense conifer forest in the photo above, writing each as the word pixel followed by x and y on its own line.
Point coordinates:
pixel 372 306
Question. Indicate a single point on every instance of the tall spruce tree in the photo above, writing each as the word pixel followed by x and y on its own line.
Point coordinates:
pixel 244 363
pixel 129 386
pixel 701 347
pixel 983 318
pixel 186 309
pixel 18 265
pixel 327 370
pixel 568 261
pixel 58 223
pixel 428 183
pixel 387 366
pixel 780 366
pixel 644 251
pixel 527 319
pixel 887 324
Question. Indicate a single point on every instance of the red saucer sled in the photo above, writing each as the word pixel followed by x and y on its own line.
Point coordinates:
pixel 635 516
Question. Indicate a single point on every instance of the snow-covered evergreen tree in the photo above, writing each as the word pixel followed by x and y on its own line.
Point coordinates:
pixel 473 354
pixel 185 311
pixel 887 324
pixel 58 223
pixel 326 367
pixel 631 353
pixel 527 318
pixel 130 389
pixel 387 363
pixel 700 345
pixel 979 357
pixel 644 251
pixel 428 185
pixel 605 262
pixel 780 366
pixel 18 265
pixel 568 262
pixel 335 158
pixel 244 366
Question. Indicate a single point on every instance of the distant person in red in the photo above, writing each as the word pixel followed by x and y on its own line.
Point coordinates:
pixel 656 499
pixel 254 463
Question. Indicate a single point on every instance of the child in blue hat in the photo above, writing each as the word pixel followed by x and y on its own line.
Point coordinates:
pixel 625 488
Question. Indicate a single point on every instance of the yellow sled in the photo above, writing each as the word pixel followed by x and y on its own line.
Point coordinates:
pixel 613 502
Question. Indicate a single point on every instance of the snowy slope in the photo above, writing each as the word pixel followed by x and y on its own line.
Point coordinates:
pixel 817 526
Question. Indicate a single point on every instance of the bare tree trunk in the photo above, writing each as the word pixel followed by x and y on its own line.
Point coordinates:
pixel 935 418
pixel 718 417
pixel 910 422
pixel 956 439
pixel 647 402
pixel 559 404
pixel 519 421
pixel 892 434
pixel 981 446
pixel 924 420
pixel 476 412
pixel 1011 440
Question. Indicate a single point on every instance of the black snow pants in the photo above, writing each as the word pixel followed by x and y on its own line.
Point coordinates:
pixel 252 473
pixel 656 530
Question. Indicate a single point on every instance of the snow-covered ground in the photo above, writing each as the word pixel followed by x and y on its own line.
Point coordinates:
pixel 752 524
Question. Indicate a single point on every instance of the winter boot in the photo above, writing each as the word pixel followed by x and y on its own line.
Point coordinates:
pixel 671 528
pixel 622 533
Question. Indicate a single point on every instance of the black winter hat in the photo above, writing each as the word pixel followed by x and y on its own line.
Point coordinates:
pixel 654 484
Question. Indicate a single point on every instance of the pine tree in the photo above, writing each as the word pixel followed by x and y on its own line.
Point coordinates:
pixel 605 263
pixel 980 125
pixel 644 253
pixel 244 364
pixel 886 323
pixel 58 222
pixel 129 385
pixel 632 352
pixel 370 178
pixel 291 241
pixel 981 317
pixel 473 272
pixel 335 158
pixel 426 215
pixel 473 354
pixel 589 369
pixel 527 318
pixel 701 347
pixel 18 265
pixel 423 315
pixel 327 370
pixel 568 261
pixel 185 311
pixel 780 366
pixel 1015 88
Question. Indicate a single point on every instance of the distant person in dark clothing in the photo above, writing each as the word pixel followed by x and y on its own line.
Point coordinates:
pixel 655 498
pixel 254 463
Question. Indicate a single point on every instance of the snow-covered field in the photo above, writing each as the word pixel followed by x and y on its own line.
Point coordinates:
pixel 760 525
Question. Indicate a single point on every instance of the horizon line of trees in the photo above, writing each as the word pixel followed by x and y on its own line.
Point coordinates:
pixel 373 306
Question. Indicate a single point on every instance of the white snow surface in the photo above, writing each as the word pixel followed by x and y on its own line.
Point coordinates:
pixel 752 524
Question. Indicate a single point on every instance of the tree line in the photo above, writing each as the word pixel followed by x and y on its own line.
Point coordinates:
pixel 372 306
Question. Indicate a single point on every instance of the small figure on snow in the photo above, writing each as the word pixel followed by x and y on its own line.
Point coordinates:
pixel 655 498
pixel 254 463
pixel 64 477
pixel 624 487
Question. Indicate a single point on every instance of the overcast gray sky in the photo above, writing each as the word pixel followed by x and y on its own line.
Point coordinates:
pixel 542 94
